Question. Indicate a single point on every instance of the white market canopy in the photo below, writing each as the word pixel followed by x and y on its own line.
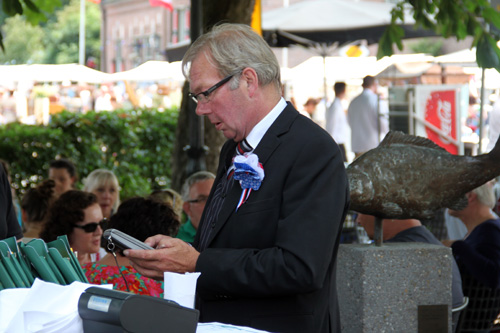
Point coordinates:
pixel 64 72
pixel 403 66
pixel 335 69
pixel 50 73
pixel 330 21
pixel 10 75
pixel 152 70
pixel 465 57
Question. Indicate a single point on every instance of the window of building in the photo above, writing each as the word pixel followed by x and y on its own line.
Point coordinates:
pixel 181 25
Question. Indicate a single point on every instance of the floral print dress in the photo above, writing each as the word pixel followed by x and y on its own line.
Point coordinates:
pixel 138 284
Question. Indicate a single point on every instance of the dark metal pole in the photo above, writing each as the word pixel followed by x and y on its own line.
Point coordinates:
pixel 196 150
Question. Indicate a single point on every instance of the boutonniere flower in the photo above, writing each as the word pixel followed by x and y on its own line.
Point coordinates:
pixel 250 173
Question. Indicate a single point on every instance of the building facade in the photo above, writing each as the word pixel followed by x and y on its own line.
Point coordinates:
pixel 133 32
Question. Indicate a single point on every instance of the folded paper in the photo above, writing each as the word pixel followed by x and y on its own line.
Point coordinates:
pixel 181 288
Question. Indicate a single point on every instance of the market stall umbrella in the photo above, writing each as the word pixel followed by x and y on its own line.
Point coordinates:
pixel 152 70
pixel 464 58
pixel 62 72
pixel 331 21
pixel 326 24
pixel 404 66
pixel 334 68
pixel 10 74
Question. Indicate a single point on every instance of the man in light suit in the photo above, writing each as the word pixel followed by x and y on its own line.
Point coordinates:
pixel 267 259
pixel 368 117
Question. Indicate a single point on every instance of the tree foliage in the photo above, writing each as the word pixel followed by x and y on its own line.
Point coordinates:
pixel 35 11
pixel 63 33
pixel 60 35
pixel 23 42
pixel 427 45
pixel 136 145
pixel 449 18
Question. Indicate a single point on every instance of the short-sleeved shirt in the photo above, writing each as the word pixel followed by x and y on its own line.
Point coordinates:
pixel 187 232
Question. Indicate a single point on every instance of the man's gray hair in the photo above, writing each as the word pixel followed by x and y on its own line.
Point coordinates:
pixel 233 47
pixel 485 194
pixel 193 179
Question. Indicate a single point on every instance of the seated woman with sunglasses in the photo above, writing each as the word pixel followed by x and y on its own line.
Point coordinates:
pixel 139 218
pixel 78 215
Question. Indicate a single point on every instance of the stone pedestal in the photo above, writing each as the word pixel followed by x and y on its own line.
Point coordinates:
pixel 397 287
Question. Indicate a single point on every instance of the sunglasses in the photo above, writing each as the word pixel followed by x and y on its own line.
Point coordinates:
pixel 91 227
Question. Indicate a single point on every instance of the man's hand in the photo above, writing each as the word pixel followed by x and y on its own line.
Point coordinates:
pixel 170 255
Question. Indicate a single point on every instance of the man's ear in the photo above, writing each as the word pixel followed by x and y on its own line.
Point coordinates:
pixel 186 208
pixel 250 79
pixel 471 196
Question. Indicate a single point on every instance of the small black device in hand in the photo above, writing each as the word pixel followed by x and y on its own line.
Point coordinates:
pixel 124 241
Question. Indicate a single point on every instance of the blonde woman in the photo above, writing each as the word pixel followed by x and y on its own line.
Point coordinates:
pixel 104 184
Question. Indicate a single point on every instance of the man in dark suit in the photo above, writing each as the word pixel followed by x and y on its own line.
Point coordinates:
pixel 267 257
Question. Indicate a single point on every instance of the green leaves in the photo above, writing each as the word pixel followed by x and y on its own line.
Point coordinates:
pixel 492 16
pixel 38 10
pixel 136 145
pixel 393 34
pixel 450 18
pixel 12 7
pixel 34 11
pixel 487 52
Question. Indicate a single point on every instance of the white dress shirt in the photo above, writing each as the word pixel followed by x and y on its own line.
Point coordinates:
pixel 336 121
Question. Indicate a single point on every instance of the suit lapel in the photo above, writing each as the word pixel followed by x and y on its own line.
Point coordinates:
pixel 264 150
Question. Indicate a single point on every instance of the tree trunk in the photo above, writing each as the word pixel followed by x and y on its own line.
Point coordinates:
pixel 213 13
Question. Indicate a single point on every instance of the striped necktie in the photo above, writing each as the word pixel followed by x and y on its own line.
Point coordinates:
pixel 218 198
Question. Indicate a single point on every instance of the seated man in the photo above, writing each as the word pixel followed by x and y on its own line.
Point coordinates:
pixel 64 173
pixel 195 192
pixel 479 252
pixel 400 231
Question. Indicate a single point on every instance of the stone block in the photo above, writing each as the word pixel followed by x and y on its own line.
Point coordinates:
pixel 396 287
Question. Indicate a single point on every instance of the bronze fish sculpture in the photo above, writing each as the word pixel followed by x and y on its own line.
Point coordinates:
pixel 408 176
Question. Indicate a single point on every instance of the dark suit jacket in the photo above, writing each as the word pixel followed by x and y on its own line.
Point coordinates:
pixel 271 264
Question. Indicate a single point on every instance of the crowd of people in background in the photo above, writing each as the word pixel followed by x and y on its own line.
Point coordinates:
pixel 367 113
pixel 56 206
pixel 60 206
pixel 20 104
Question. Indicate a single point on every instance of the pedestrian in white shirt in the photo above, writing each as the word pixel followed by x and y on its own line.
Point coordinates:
pixel 336 119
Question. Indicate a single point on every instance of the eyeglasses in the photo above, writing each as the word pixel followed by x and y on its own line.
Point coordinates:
pixel 201 198
pixel 91 227
pixel 203 96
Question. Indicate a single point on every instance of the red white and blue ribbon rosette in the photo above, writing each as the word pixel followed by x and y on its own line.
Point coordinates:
pixel 249 172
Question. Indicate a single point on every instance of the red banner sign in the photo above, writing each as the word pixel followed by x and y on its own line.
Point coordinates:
pixel 440 111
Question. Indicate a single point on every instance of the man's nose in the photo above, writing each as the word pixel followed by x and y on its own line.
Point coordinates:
pixel 202 109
